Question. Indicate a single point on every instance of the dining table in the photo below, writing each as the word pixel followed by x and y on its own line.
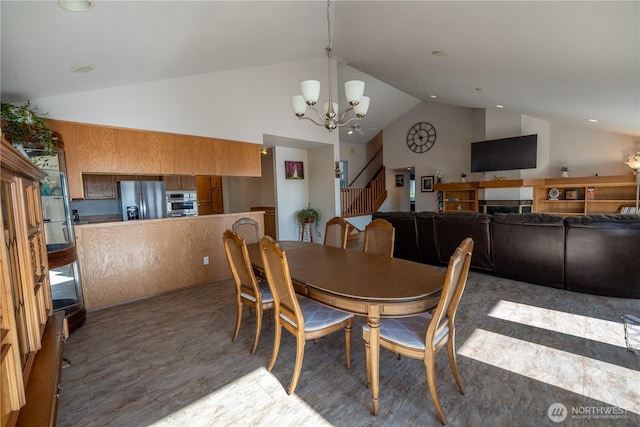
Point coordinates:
pixel 363 284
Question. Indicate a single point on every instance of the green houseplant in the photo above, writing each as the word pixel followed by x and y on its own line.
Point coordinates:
pixel 308 215
pixel 22 126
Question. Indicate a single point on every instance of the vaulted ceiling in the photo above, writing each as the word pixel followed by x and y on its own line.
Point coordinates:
pixel 559 61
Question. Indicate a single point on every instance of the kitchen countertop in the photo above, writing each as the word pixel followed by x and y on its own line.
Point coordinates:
pixel 96 219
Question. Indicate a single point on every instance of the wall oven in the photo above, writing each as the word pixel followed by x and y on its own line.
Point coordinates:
pixel 182 203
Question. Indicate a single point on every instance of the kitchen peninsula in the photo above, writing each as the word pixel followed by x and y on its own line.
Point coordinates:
pixel 128 260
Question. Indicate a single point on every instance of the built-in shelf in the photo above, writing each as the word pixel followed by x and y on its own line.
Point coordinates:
pixel 458 196
pixel 593 195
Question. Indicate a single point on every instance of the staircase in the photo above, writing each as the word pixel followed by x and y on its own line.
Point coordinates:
pixel 365 200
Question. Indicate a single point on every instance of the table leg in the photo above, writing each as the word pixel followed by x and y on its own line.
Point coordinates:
pixel 373 319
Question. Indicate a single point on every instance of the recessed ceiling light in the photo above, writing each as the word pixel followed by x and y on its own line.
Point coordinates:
pixel 593 120
pixel 439 53
pixel 499 106
pixel 76 5
pixel 433 96
pixel 83 68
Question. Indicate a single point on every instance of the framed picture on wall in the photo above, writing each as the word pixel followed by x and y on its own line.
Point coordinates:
pixel 293 170
pixel 426 183
pixel 399 180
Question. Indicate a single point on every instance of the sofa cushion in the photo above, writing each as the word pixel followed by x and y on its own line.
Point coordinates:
pixel 451 228
pixel 427 237
pixel 405 245
pixel 602 254
pixel 529 247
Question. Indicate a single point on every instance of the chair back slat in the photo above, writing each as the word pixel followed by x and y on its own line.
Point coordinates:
pixel 279 279
pixel 335 233
pixel 454 284
pixel 248 229
pixel 240 265
pixel 379 236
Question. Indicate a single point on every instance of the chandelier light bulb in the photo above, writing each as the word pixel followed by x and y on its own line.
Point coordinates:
pixel 354 90
pixel 299 105
pixel 362 107
pixel 310 91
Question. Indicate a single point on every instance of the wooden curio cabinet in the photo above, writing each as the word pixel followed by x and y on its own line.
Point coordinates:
pixel 31 333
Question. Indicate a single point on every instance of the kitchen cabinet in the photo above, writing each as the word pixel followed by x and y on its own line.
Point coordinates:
pixel 269 219
pixel 95 149
pixel 209 195
pixel 585 195
pixel 98 187
pixel 203 184
pixel 180 182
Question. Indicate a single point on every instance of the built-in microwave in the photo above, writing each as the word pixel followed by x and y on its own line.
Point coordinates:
pixel 182 203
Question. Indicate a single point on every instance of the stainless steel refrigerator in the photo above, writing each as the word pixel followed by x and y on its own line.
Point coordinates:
pixel 142 200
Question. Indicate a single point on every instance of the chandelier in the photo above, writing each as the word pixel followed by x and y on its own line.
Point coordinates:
pixel 353 89
pixel 634 161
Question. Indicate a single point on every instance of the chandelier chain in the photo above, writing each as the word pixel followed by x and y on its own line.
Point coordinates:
pixel 328 24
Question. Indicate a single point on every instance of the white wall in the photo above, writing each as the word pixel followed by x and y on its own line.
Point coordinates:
pixel 239 104
pixel 589 152
pixel 291 194
pixel 358 155
pixel 451 154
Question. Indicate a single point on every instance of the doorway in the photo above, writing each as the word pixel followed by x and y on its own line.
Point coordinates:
pixel 412 191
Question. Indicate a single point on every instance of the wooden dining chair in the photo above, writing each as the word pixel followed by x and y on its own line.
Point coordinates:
pixel 248 229
pixel 250 291
pixel 302 317
pixel 379 236
pixel 335 233
pixel 406 336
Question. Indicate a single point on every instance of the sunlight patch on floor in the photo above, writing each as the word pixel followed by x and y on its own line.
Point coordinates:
pixel 577 325
pixel 612 384
pixel 257 398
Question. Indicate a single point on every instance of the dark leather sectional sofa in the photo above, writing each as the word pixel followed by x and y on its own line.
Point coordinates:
pixel 598 254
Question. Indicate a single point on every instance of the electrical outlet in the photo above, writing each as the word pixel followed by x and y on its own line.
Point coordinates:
pixel 205 260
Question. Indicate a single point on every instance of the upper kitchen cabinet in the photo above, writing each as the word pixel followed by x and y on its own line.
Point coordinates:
pixel 97 149
pixel 235 159
pixel 180 182
pixel 98 187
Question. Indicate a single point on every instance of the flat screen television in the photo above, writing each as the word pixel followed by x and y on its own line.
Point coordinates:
pixel 518 152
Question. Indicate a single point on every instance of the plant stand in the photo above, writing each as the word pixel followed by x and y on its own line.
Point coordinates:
pixel 306 233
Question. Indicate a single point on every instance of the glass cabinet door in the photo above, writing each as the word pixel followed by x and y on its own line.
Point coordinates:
pixel 64 273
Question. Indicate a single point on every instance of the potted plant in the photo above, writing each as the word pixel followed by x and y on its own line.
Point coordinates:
pixel 308 215
pixel 23 127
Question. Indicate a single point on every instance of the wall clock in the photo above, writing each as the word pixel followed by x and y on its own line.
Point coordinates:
pixel 421 137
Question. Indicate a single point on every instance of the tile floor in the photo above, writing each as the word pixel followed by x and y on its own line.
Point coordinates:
pixel 169 361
